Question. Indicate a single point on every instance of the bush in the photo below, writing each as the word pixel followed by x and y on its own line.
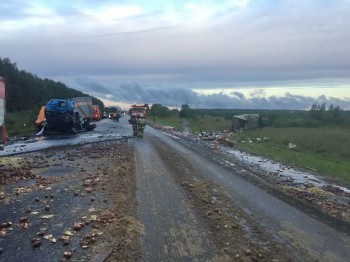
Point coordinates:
pixel 10 121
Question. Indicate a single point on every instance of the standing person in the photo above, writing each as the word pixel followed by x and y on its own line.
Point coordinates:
pixel 118 116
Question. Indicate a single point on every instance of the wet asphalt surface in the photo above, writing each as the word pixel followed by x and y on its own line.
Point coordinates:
pixel 48 206
pixel 302 233
pixel 173 231
pixel 106 130
pixel 64 210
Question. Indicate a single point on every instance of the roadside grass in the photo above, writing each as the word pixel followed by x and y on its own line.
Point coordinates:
pixel 20 123
pixel 208 123
pixel 173 121
pixel 326 150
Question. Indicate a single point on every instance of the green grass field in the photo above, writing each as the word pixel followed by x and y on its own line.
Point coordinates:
pixel 20 123
pixel 202 123
pixel 326 150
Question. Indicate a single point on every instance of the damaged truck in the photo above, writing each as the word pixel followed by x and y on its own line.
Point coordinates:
pixel 66 116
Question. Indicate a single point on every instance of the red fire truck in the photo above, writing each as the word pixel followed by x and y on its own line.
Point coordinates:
pixel 96 116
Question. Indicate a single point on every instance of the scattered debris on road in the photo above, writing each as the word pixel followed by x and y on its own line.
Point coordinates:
pixel 69 203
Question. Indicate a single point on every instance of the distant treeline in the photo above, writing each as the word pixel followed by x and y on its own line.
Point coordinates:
pixel 27 91
pixel 317 116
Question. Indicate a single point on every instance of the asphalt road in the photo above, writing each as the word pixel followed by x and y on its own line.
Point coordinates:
pixel 173 232
pixel 174 227
pixel 161 202
pixel 106 130
pixel 67 187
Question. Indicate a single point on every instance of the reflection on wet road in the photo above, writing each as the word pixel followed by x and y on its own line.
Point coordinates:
pixel 106 130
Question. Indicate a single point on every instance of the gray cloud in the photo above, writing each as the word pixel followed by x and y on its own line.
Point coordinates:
pixel 175 96
pixel 10 10
pixel 156 60
pixel 237 94
pixel 90 85
pixel 270 43
pixel 286 102
pixel 136 31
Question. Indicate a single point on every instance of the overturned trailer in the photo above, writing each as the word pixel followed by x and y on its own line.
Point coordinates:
pixel 246 121
pixel 66 115
pixel 2 113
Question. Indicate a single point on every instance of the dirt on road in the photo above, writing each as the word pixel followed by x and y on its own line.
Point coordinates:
pixel 79 203
pixel 261 219
pixel 205 210
pixel 150 199
pixel 74 203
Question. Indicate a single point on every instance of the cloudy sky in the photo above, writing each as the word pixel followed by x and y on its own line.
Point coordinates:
pixel 278 54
